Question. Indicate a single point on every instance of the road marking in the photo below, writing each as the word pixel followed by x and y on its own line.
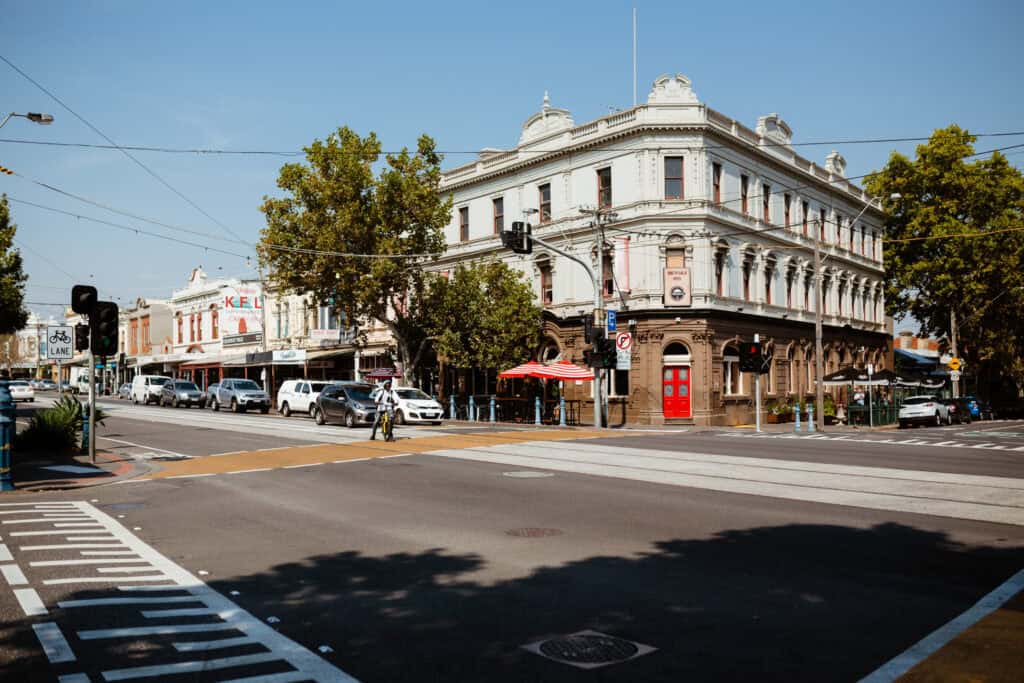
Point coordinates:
pixel 139 445
pixel 125 570
pixel 308 464
pixel 41 520
pixel 103 579
pixel 55 646
pixel 204 645
pixel 41 505
pixel 188 667
pixel 151 588
pixel 932 643
pixel 107 633
pixel 186 612
pixel 102 602
pixel 352 460
pixel 72 524
pixel 107 552
pixel 91 538
pixel 258 469
pixel 30 603
pixel 13 574
pixel 61 546
pixel 981 445
pixel 73 678
pixel 52 533
pixel 63 563
pixel 189 476
pixel 5 554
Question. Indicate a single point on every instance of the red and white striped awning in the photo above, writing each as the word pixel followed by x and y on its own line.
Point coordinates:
pixel 564 370
pixel 524 370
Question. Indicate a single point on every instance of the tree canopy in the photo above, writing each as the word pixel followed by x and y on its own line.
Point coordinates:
pixel 336 204
pixel 13 315
pixel 954 241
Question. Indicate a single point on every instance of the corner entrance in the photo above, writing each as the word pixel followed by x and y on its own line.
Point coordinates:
pixel 675 382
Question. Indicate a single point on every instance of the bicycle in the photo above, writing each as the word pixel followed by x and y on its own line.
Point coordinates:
pixel 61 337
pixel 387 426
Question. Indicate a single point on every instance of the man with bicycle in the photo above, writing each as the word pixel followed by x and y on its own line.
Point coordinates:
pixel 386 401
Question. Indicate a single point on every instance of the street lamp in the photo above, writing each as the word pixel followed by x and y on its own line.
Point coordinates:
pixel 35 117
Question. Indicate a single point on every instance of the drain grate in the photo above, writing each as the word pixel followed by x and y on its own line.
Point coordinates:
pixel 533 532
pixel 589 649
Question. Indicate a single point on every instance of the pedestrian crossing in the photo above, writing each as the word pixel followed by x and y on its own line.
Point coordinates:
pixel 974 440
pixel 74 583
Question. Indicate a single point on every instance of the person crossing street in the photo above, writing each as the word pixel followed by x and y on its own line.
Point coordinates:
pixel 386 401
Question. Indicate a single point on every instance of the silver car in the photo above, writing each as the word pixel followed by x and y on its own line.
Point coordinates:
pixel 927 410
pixel 240 395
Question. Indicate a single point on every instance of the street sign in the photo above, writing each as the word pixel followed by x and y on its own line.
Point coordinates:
pixel 624 341
pixel 60 340
pixel 954 375
pixel 954 364
pixel 624 351
pixel 611 321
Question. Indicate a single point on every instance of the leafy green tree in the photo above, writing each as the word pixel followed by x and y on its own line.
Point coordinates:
pixel 483 316
pixel 954 243
pixel 335 204
pixel 13 315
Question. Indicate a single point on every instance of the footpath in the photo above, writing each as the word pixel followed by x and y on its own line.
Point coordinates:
pixel 38 472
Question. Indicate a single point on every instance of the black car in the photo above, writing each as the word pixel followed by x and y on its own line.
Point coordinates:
pixel 180 393
pixel 959 411
pixel 347 403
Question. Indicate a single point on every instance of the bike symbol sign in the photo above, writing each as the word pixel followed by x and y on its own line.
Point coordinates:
pixel 60 340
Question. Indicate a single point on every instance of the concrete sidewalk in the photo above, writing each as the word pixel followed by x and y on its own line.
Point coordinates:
pixel 35 472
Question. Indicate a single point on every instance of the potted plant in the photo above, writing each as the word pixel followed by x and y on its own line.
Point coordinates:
pixel 776 413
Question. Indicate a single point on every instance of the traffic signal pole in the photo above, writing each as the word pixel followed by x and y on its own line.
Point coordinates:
pixel 757 391
pixel 92 406
pixel 818 362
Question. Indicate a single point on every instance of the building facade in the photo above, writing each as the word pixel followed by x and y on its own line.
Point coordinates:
pixel 710 241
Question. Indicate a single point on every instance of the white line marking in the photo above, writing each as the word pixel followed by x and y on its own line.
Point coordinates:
pixel 40 506
pixel 352 460
pixel 61 546
pixel 5 554
pixel 73 678
pixel 981 445
pixel 204 645
pixel 189 476
pixel 104 579
pixel 139 445
pixel 102 602
pixel 68 563
pixel 153 630
pixel 39 520
pixel 945 443
pixel 30 602
pixel 65 514
pixel 286 677
pixel 152 588
pixel 13 574
pixel 67 524
pixel 51 533
pixel 295 467
pixel 54 644
pixel 107 552
pixel 188 667
pixel 258 469
pixel 932 643
pixel 124 570
pixel 186 612
pixel 396 455
pixel 91 538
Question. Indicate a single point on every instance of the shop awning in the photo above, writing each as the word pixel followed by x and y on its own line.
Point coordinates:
pixel 329 353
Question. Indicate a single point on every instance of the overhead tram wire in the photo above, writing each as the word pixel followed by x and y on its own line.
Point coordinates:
pixel 128 154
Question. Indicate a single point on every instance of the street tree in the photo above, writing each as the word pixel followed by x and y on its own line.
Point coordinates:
pixel 359 240
pixel 954 244
pixel 483 316
pixel 13 315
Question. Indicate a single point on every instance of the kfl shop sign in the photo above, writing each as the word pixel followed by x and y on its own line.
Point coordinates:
pixel 242 310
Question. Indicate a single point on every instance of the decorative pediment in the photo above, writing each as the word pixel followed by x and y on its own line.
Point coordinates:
pixel 836 163
pixel 772 128
pixel 672 90
pixel 548 120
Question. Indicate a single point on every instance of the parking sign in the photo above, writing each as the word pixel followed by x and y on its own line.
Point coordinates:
pixel 611 320
pixel 59 342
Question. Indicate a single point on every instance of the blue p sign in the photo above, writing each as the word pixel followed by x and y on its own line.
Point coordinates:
pixel 611 321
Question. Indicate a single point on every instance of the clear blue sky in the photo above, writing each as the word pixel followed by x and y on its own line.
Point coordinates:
pixel 254 75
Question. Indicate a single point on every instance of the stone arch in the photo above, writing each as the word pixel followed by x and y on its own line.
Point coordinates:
pixel 735 339
pixel 550 348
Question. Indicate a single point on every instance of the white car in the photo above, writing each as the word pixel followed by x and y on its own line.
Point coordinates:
pixel 21 391
pixel 414 406
pixel 299 396
pixel 927 410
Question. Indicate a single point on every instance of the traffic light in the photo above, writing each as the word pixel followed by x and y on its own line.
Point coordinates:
pixel 83 299
pixel 609 354
pixel 750 357
pixel 81 337
pixel 588 328
pixel 103 325
pixel 518 238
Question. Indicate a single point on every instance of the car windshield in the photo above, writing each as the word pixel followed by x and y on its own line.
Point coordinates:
pixel 412 394
pixel 187 386
pixel 159 381
pixel 918 400
pixel 247 385
pixel 358 393
pixel 19 384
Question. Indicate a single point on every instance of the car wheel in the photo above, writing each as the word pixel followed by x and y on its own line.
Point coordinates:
pixel 949 419
pixel 318 416
pixel 938 420
pixel 286 410
pixel 175 403
pixel 214 405
pixel 235 408
pixel 312 410
pixel 201 404
pixel 399 417
pixel 350 420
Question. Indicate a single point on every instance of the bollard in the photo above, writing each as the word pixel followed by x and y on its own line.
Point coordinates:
pixel 796 417
pixel 536 410
pixel 810 418
pixel 492 409
pixel 472 410
pixel 85 428
pixel 561 411
pixel 451 407
pixel 7 430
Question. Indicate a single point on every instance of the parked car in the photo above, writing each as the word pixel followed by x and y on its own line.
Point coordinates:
pixel 21 391
pixel 959 411
pixel 414 406
pixel 210 392
pixel 64 386
pixel 181 393
pixel 980 410
pixel 240 395
pixel 47 385
pixel 348 403
pixel 147 388
pixel 299 396
pixel 923 410
pixel 124 391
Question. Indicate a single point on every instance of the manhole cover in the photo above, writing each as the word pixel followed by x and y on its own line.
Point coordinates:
pixel 533 532
pixel 589 649
pixel 527 474
pixel 125 506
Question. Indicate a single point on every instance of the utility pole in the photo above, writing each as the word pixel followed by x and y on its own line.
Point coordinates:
pixel 819 369
pixel 952 330
pixel 598 275
pixel 757 390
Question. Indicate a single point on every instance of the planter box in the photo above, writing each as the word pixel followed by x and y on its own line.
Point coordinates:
pixel 774 419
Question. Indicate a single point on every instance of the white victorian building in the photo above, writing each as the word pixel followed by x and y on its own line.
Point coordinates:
pixel 711 242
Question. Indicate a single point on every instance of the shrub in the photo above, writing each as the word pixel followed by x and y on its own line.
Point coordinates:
pixel 55 429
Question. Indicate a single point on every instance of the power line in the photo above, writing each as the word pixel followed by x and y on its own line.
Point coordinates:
pixel 128 154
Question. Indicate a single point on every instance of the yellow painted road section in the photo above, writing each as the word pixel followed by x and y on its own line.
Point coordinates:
pixel 316 454
pixel 991 651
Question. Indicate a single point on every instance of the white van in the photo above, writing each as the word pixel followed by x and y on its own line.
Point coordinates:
pixel 299 396
pixel 147 388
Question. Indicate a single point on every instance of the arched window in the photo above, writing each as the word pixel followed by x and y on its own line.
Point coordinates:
pixel 676 349
pixel 732 378
pixel 199 326
pixel 549 351
pixel 214 316
pixel 793 379
pixel 810 367
pixel 181 336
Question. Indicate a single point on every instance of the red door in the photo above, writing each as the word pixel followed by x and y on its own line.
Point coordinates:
pixel 675 391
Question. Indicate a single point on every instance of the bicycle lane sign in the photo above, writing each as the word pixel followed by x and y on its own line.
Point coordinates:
pixel 60 342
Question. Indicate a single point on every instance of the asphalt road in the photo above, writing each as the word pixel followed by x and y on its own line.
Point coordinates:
pixel 443 566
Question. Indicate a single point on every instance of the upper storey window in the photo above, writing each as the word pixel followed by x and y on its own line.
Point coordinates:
pixel 716 180
pixel 673 177
pixel 464 224
pixel 604 188
pixel 744 195
pixel 499 215
pixel 544 197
